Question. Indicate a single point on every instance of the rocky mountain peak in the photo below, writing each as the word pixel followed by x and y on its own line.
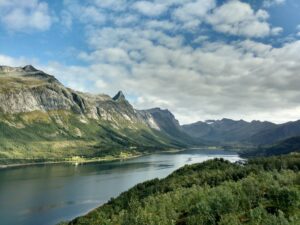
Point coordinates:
pixel 119 96
pixel 29 68
pixel 19 70
pixel 159 110
pixel 27 71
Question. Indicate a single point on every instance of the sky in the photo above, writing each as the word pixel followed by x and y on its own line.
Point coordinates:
pixel 201 59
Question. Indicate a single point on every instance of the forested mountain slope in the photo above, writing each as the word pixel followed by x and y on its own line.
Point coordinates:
pixel 264 191
pixel 290 145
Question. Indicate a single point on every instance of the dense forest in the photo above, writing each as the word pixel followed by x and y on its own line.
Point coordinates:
pixel 283 147
pixel 262 191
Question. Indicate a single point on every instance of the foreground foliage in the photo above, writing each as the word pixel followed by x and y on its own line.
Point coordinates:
pixel 265 191
pixel 283 147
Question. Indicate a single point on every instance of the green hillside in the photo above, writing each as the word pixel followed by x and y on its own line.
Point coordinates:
pixel 264 191
pixel 42 120
pixel 59 135
pixel 284 147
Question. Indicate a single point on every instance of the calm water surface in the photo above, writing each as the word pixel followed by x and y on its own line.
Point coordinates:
pixel 48 194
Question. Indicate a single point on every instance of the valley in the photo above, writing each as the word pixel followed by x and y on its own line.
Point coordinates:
pixel 72 140
pixel 41 120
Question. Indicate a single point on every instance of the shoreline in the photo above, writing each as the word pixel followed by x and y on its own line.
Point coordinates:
pixel 85 160
pixel 212 148
pixel 78 160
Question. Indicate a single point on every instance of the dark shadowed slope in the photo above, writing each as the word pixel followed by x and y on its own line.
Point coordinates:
pixel 290 145
pixel 275 134
pixel 226 130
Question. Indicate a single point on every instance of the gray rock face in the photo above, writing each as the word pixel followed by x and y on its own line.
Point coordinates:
pixel 148 119
pixel 119 96
pixel 165 121
pixel 26 89
pixel 23 93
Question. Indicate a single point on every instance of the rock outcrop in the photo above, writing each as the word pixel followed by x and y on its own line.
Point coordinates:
pixel 40 117
pixel 26 89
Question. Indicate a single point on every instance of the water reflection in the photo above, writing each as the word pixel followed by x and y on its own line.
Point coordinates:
pixel 47 194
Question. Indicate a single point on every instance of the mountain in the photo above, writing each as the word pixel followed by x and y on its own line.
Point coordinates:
pixel 262 191
pixel 169 125
pixel 42 119
pixel 277 133
pixel 290 145
pixel 226 130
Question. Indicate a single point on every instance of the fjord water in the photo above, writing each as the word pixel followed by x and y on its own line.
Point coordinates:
pixel 48 194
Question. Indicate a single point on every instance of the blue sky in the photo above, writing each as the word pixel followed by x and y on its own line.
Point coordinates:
pixel 202 59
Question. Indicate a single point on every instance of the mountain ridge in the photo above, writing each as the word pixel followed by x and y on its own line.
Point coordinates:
pixel 226 130
pixel 41 118
pixel 39 112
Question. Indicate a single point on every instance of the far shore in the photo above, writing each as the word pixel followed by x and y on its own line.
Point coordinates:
pixel 79 160
pixel 74 162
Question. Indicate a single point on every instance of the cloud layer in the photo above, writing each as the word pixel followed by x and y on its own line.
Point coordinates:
pixel 199 58
pixel 25 15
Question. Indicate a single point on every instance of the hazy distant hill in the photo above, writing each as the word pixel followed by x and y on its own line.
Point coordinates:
pixel 226 130
pixel 277 133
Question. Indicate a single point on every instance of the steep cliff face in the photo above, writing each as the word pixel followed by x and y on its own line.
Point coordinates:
pixel 38 112
pixel 26 89
pixel 165 121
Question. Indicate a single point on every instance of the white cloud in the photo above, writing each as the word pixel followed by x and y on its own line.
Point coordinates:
pixel 242 79
pixel 192 13
pixel 161 25
pixel 238 18
pixel 119 5
pixel 151 57
pixel 87 14
pixel 10 61
pixel 24 16
pixel 276 30
pixel 185 15
pixel 200 39
pixel 149 8
pixel 66 19
pixel 269 3
pixel 91 14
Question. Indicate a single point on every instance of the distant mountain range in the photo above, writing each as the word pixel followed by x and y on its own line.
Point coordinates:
pixel 227 131
pixel 41 119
